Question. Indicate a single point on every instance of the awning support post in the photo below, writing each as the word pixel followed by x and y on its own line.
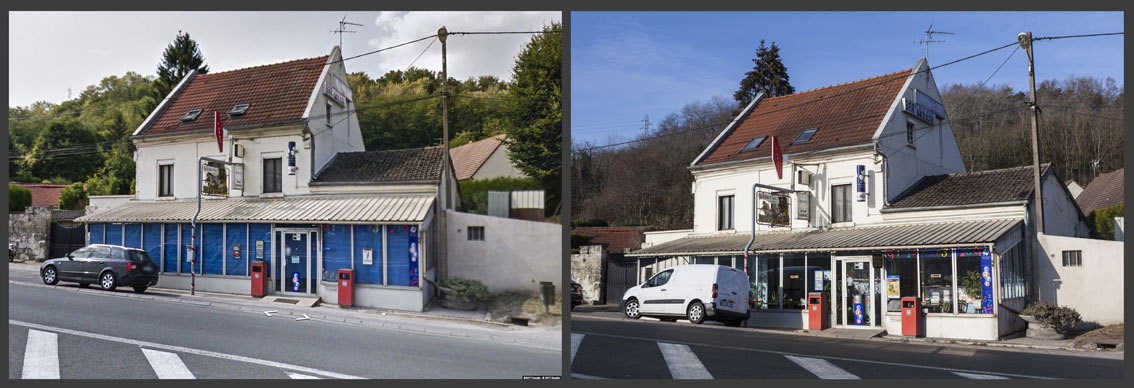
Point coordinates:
pixel 193 226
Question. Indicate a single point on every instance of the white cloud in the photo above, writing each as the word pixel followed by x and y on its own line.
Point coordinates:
pixel 468 55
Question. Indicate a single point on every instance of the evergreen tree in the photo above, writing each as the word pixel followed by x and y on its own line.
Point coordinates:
pixel 535 134
pixel 179 58
pixel 768 75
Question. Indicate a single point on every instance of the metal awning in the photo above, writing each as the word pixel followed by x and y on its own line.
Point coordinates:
pixel 924 235
pixel 307 209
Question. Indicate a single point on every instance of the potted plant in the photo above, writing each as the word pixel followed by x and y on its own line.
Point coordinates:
pixel 1048 321
pixel 971 286
pixel 462 294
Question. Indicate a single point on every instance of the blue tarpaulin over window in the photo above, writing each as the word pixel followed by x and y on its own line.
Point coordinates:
pixel 170 248
pixel 336 250
pixel 151 241
pixel 236 237
pixel 97 233
pixel 212 249
pixel 133 236
pixel 368 236
pixel 114 234
pixel 261 232
pixel 398 256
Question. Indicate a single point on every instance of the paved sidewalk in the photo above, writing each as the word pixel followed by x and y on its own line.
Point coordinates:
pixel 429 324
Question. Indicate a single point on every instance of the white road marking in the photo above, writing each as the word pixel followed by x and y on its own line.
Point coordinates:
pixel 269 312
pixel 682 363
pixel 303 318
pixel 741 348
pixel 822 368
pixel 581 376
pixel 182 349
pixel 41 356
pixel 576 339
pixel 977 376
pixel 297 376
pixel 167 365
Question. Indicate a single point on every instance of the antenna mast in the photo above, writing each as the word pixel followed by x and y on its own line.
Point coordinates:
pixel 342 29
pixel 929 39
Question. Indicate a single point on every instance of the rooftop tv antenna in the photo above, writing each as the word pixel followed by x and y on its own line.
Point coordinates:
pixel 929 39
pixel 343 29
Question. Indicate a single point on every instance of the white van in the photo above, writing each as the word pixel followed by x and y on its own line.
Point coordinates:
pixel 697 292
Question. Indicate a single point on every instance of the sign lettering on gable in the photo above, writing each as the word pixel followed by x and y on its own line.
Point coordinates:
pixel 919 111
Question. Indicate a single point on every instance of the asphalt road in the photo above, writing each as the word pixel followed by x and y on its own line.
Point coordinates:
pixel 636 349
pixel 75 335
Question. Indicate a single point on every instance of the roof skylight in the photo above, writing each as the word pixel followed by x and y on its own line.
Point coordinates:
pixel 191 115
pixel 238 110
pixel 754 143
pixel 805 136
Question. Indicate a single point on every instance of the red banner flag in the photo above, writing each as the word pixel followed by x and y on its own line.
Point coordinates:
pixel 777 158
pixel 218 130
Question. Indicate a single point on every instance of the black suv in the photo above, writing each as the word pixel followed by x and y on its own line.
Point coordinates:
pixel 108 265
pixel 576 294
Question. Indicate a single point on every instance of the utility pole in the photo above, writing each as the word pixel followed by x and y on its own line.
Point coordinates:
pixel 929 39
pixel 1025 40
pixel 442 33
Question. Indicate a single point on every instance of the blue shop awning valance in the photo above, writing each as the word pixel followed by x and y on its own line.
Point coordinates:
pixel 308 209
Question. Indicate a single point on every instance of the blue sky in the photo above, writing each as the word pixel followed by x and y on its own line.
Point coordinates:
pixel 626 65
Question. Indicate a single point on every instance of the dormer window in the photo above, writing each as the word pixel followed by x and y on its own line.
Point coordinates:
pixel 191 115
pixel 805 136
pixel 238 110
pixel 752 145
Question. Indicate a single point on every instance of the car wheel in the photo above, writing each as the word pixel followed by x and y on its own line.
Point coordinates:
pixel 50 277
pixel 108 281
pixel 695 313
pixel 140 289
pixel 632 309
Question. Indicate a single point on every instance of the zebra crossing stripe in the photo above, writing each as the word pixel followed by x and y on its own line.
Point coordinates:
pixel 977 376
pixel 167 365
pixel 822 368
pixel 576 339
pixel 41 356
pixel 297 376
pixel 682 363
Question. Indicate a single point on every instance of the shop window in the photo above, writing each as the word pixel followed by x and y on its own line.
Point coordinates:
pixel 795 281
pixel 476 233
pixel 969 281
pixel 704 260
pixel 725 261
pixel 402 240
pixel 212 249
pixel 724 212
pixel 336 250
pixel 169 248
pixel 273 177
pixel 901 278
pixel 151 241
pixel 767 286
pixel 818 273
pixel 1072 258
pixel 261 235
pixel 114 234
pixel 97 233
pixel 368 254
pixel 236 240
pixel 937 280
pixel 165 180
pixel 840 203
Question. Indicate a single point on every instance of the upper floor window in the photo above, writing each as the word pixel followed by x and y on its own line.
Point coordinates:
pixel 840 203
pixel 273 178
pixel 724 212
pixel 328 113
pixel 1072 258
pixel 165 180
pixel 476 233
pixel 909 132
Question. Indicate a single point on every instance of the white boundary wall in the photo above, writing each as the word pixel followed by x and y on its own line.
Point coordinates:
pixel 1094 289
pixel 514 255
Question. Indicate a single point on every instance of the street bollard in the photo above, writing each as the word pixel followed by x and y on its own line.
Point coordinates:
pixel 547 293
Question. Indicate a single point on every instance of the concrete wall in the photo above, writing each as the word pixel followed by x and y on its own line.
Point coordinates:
pixel 515 254
pixel 664 236
pixel 1060 215
pixel 98 203
pixel 1095 289
pixel 497 165
pixel 30 232
pixel 586 269
pixel 784 319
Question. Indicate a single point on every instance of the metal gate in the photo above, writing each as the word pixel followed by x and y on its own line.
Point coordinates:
pixel 620 276
pixel 65 238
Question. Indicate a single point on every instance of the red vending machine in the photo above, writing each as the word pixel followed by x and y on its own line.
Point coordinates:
pixel 259 278
pixel 346 287
pixel 818 316
pixel 912 317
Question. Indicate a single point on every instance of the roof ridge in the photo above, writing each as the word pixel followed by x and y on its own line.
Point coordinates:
pixel 1027 166
pixel 324 57
pixel 841 84
pixel 400 149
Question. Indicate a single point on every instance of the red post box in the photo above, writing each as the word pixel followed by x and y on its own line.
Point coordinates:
pixel 259 278
pixel 346 287
pixel 818 316
pixel 913 324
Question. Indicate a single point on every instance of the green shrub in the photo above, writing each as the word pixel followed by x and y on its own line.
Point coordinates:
pixel 1062 318
pixel 579 240
pixel 592 222
pixel 19 198
pixel 73 197
pixel 467 288
pixel 1101 221
pixel 474 193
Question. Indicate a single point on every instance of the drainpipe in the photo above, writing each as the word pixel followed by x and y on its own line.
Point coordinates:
pixel 885 173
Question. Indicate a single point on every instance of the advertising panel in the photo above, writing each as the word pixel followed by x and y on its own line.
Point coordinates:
pixel 774 209
pixel 215 180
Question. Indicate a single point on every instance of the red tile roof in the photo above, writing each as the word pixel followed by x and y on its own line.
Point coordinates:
pixel 278 94
pixel 1104 191
pixel 615 239
pixel 44 194
pixel 468 159
pixel 846 114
